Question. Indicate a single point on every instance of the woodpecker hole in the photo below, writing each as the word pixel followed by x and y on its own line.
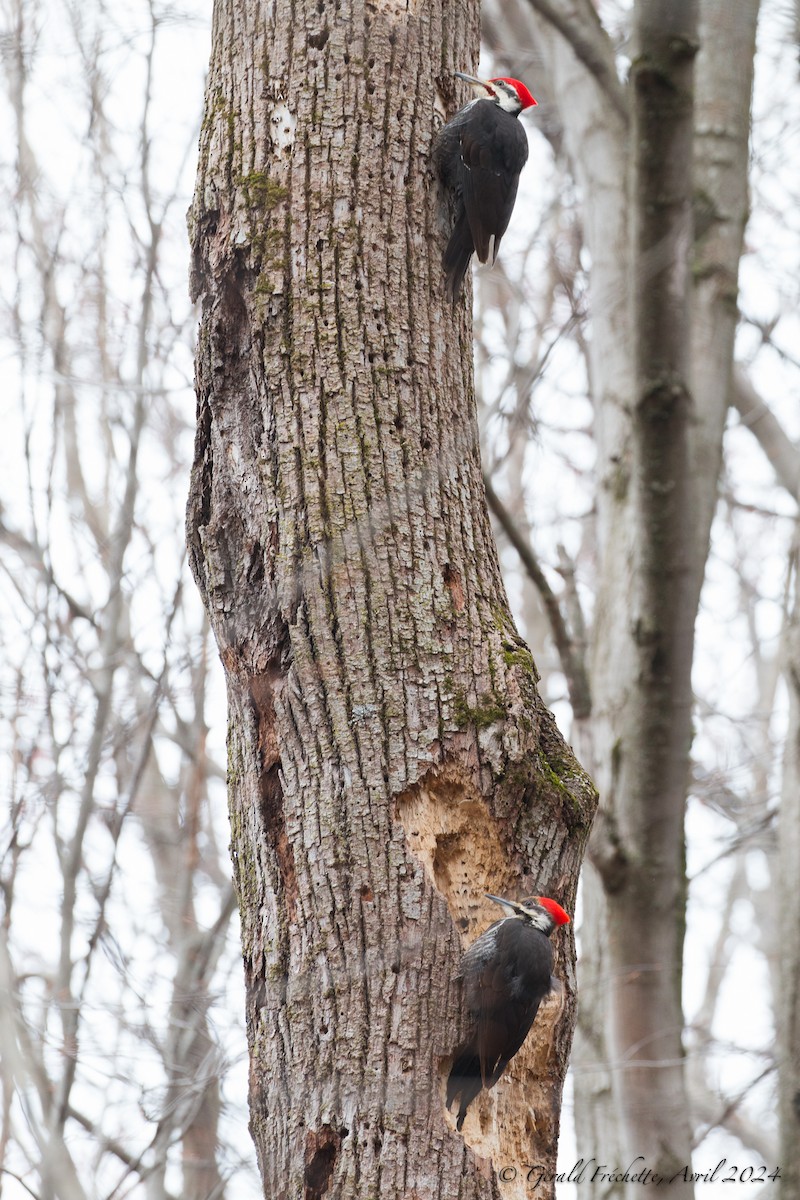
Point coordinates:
pixel 317 40
pixel 450 831
pixel 263 690
pixel 453 580
pixel 322 1149
pixel 254 973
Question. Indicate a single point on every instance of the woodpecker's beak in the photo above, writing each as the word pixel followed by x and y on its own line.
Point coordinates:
pixel 499 899
pixel 487 89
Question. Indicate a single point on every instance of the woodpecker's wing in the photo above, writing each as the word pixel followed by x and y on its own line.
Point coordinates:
pixel 505 982
pixel 447 148
pixel 494 149
pixel 450 169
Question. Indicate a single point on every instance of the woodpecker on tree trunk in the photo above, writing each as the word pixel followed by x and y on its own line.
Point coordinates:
pixel 478 155
pixel 507 973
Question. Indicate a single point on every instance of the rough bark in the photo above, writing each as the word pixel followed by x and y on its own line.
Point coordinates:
pixel 389 756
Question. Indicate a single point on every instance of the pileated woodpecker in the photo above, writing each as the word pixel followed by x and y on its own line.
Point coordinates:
pixel 479 154
pixel 507 974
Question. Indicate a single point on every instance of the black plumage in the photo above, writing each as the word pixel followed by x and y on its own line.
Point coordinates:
pixel 478 156
pixel 507 973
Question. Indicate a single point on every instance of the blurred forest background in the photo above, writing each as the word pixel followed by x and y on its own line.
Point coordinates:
pixel 121 1035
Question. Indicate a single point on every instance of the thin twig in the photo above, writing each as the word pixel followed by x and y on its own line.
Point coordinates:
pixel 574 670
pixel 589 52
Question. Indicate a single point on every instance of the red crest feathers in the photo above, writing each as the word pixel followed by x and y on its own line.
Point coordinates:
pixel 526 98
pixel 555 910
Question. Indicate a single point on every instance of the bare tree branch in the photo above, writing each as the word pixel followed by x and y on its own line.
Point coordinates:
pixel 718 1112
pixel 86 737
pixel 572 665
pixel 111 1145
pixel 755 414
pixel 593 49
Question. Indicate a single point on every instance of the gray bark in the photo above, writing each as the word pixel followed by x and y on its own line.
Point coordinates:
pixel 653 746
pixel 785 460
pixel 788 1005
pixel 389 756
pixel 659 418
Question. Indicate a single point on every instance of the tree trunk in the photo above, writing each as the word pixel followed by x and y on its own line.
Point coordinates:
pixel 683 375
pixel 653 751
pixel 389 756
pixel 785 933
pixel 787 1017
pixel 660 387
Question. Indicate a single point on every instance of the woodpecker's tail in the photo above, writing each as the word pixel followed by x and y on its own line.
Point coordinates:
pixel 465 1080
pixel 456 257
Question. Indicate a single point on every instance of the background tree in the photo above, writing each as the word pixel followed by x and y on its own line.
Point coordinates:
pixel 115 945
pixel 652 530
